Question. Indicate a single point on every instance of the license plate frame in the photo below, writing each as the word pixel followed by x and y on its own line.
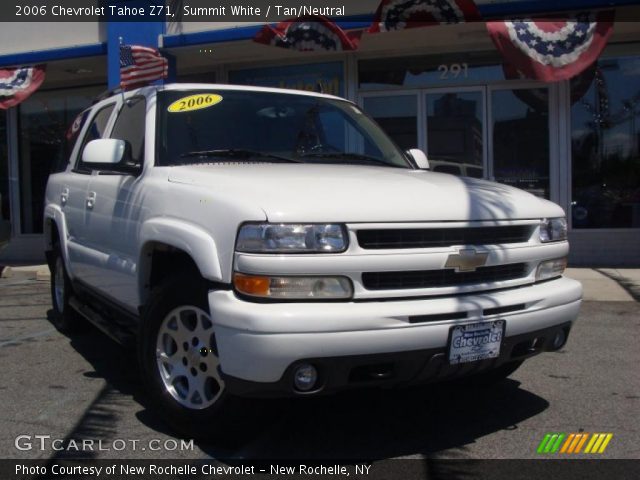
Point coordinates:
pixel 467 345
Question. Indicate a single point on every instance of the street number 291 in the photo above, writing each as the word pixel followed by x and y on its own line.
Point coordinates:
pixel 455 70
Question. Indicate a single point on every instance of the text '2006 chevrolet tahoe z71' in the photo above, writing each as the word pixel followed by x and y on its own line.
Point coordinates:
pixel 265 242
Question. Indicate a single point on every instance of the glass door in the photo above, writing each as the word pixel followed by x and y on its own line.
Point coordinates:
pixel 502 132
pixel 456 131
pixel 520 138
pixel 397 114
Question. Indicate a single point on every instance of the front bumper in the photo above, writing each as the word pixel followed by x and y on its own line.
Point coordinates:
pixel 259 344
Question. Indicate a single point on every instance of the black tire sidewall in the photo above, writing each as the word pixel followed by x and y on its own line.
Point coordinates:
pixel 66 319
pixel 180 291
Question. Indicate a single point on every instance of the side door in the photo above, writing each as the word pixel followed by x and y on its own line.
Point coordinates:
pixel 113 213
pixel 73 197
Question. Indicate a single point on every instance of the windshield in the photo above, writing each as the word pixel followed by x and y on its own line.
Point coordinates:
pixel 232 125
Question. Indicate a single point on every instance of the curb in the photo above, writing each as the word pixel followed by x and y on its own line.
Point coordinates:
pixel 33 272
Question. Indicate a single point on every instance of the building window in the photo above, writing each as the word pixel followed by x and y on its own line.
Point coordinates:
pixel 44 119
pixel 398 117
pixel 520 125
pixel 324 77
pixel 5 210
pixel 455 133
pixel 605 142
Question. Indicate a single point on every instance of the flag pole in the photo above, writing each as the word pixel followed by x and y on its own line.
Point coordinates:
pixel 120 43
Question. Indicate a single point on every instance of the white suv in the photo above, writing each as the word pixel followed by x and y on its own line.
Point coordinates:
pixel 265 242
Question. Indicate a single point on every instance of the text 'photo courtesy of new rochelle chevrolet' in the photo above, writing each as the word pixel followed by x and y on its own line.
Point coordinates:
pixel 375 239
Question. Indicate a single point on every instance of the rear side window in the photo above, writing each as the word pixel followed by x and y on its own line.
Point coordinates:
pixel 130 127
pixel 95 131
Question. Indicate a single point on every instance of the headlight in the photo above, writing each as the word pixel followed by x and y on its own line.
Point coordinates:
pixel 293 288
pixel 291 238
pixel 551 269
pixel 553 230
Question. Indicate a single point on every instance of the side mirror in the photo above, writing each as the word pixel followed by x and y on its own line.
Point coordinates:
pixel 110 154
pixel 419 157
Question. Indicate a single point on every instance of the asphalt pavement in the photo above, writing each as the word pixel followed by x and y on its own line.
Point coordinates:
pixel 85 387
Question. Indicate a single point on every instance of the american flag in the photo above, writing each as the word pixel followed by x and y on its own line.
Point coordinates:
pixel 402 14
pixel 140 65
pixel 17 84
pixel 553 49
pixel 309 33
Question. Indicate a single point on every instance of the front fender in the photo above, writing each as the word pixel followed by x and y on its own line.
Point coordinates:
pixel 54 214
pixel 189 238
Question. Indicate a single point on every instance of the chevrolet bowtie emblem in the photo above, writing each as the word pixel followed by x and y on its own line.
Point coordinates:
pixel 467 260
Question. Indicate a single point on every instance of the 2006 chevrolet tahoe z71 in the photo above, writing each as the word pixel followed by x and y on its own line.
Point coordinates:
pixel 265 242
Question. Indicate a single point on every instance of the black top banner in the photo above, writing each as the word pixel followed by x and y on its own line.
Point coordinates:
pixel 174 10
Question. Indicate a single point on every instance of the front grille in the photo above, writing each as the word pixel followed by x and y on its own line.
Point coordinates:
pixel 442 237
pixel 441 278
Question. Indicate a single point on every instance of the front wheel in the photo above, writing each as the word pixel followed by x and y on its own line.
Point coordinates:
pixel 179 360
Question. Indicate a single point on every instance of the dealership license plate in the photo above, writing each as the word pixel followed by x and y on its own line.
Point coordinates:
pixel 475 342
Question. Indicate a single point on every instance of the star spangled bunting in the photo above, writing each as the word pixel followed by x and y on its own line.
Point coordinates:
pixel 311 33
pixel 402 14
pixel 141 65
pixel 17 84
pixel 553 50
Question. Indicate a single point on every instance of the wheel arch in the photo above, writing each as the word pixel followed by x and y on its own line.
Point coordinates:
pixel 55 232
pixel 169 244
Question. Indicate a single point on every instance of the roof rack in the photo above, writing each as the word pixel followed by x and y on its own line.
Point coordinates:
pixel 107 94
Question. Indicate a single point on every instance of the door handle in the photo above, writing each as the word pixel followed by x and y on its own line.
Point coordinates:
pixel 64 196
pixel 91 200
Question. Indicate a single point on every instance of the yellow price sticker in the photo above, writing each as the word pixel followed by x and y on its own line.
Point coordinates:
pixel 195 102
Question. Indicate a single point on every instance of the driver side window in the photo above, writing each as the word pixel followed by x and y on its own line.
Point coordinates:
pixel 130 126
pixel 95 131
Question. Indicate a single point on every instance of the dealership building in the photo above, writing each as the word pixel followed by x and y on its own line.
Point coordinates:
pixel 445 89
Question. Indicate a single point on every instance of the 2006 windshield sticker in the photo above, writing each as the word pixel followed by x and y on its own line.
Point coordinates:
pixel 195 102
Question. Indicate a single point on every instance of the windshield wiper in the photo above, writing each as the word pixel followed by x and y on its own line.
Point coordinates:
pixel 354 157
pixel 236 153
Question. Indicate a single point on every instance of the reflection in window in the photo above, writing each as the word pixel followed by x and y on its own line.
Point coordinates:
pixel 398 117
pixel 455 136
pixel 44 121
pixel 605 142
pixel 521 139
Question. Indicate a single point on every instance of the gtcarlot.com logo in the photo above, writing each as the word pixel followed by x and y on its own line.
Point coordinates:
pixel 574 443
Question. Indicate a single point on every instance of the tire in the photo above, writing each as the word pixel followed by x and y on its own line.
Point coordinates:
pixel 494 376
pixel 179 363
pixel 64 317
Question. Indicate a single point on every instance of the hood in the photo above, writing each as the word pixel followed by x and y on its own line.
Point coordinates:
pixel 357 194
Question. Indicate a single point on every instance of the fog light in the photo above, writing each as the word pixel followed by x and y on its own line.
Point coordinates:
pixel 559 339
pixel 305 377
pixel 551 269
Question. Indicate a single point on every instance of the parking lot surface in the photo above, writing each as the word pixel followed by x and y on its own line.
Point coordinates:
pixel 85 387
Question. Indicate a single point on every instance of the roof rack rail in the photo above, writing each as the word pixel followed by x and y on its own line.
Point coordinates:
pixel 107 94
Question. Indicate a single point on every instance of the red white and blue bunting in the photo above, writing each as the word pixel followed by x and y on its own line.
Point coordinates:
pixel 312 33
pixel 552 50
pixel 402 14
pixel 17 84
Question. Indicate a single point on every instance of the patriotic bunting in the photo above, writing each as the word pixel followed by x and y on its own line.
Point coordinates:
pixel 311 33
pixel 141 65
pixel 552 50
pixel 17 84
pixel 401 14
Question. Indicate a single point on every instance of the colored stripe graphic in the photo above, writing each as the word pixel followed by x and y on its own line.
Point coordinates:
pixel 573 443
pixel 551 443
pixel 598 443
